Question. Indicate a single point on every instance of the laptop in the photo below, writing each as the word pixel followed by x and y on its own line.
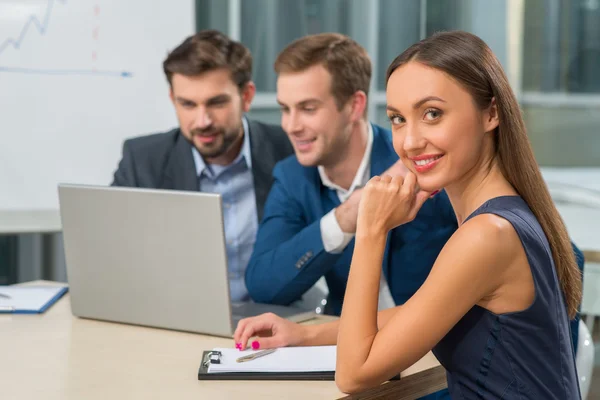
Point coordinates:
pixel 152 257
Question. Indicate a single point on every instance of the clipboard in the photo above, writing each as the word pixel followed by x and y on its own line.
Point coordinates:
pixel 214 357
pixel 29 299
pixel 211 356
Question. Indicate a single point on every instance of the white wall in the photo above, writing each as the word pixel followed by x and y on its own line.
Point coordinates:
pixel 76 79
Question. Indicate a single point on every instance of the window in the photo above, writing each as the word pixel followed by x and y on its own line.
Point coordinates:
pixel 553 66
pixel 267 26
pixel 561 85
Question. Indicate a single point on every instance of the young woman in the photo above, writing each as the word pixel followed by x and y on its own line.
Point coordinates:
pixel 495 308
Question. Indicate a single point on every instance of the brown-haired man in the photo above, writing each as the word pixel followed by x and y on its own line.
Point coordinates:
pixel 310 216
pixel 215 148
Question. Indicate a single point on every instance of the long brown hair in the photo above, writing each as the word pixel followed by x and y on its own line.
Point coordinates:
pixel 468 60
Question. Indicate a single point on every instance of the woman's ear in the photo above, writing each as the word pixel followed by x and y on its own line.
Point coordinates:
pixel 491 117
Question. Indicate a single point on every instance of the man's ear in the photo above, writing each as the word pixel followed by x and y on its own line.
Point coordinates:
pixel 171 95
pixel 248 92
pixel 491 117
pixel 358 105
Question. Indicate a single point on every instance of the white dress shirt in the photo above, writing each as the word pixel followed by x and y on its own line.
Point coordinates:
pixel 334 239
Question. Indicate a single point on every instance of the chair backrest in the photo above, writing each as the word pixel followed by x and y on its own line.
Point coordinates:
pixel 585 359
pixel 315 299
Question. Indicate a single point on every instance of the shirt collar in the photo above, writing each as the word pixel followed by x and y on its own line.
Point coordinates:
pixel 244 153
pixel 362 174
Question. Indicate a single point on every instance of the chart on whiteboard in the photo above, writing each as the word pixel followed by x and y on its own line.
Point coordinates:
pixel 31 29
pixel 77 77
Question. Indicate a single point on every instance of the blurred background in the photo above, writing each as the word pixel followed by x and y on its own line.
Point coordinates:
pixel 550 50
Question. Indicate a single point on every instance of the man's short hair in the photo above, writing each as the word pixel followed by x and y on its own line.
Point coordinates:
pixel 210 50
pixel 346 61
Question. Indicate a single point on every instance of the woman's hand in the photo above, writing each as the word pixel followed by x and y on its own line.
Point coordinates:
pixel 388 202
pixel 272 331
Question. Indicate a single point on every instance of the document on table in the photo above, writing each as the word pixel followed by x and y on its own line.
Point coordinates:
pixel 285 359
pixel 29 300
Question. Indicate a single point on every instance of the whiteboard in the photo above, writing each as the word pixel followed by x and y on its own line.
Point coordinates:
pixel 77 77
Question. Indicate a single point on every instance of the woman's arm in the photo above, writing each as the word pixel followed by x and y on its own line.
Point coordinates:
pixel 327 334
pixel 274 331
pixel 468 269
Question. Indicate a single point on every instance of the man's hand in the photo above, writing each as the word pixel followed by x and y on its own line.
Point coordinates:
pixel 347 212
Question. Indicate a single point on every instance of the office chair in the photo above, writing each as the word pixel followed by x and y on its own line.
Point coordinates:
pixel 585 359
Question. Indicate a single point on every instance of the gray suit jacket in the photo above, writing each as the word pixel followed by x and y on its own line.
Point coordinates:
pixel 165 161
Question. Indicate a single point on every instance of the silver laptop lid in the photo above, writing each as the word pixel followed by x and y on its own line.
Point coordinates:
pixel 146 257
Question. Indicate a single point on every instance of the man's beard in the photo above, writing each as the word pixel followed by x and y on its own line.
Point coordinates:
pixel 223 141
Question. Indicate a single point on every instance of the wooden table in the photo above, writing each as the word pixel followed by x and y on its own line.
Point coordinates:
pixel 57 356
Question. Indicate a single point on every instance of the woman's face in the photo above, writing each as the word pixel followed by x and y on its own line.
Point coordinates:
pixel 438 131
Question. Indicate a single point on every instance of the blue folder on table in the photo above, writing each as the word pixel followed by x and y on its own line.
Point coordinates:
pixel 29 299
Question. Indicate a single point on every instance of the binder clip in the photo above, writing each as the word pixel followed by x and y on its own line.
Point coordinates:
pixel 211 357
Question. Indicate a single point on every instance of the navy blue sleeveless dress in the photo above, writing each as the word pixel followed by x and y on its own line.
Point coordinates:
pixel 521 355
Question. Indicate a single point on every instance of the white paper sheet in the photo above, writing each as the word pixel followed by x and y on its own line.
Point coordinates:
pixel 26 299
pixel 286 359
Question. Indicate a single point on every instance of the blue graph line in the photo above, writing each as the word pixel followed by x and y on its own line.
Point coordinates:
pixel 32 21
pixel 42 27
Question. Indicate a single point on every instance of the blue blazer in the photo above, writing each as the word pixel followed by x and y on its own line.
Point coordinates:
pixel 289 256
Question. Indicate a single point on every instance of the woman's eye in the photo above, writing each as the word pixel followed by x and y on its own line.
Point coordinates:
pixel 396 119
pixel 431 115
